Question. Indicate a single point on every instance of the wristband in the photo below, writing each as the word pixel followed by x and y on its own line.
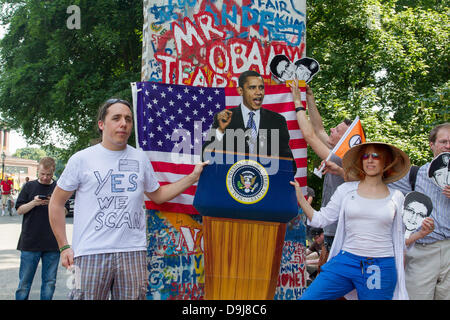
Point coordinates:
pixel 300 109
pixel 64 248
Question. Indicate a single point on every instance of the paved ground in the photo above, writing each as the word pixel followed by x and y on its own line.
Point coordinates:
pixel 10 227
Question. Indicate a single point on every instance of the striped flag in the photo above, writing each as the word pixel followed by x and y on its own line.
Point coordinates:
pixel 172 122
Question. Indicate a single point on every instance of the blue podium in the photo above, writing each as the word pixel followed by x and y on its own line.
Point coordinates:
pixel 246 201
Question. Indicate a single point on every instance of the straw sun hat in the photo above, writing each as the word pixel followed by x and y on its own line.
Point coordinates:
pixel 395 171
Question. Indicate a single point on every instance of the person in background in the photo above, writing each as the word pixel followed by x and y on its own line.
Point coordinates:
pixel 36 241
pixel 427 261
pixel 315 135
pixel 7 186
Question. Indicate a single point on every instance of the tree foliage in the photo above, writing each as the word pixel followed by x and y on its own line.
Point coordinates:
pixel 384 61
pixel 30 153
pixel 56 77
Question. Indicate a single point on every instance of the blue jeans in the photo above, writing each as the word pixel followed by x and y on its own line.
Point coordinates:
pixel 29 261
pixel 373 278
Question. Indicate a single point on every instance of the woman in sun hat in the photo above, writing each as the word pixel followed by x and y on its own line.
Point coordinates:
pixel 367 253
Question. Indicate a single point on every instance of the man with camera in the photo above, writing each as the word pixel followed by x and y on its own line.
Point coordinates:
pixel 37 241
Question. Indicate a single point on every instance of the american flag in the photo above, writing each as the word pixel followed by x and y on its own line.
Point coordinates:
pixel 172 122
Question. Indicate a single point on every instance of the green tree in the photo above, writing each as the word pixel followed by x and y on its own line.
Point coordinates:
pixel 386 61
pixel 30 153
pixel 56 77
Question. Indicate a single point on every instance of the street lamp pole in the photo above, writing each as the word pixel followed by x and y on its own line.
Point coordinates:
pixel 3 164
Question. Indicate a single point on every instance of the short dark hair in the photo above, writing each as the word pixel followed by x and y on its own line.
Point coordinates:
pixel 349 122
pixel 244 75
pixel 420 198
pixel 435 130
pixel 316 232
pixel 275 61
pixel 103 110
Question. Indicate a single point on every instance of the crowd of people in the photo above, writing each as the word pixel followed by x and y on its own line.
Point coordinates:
pixel 359 248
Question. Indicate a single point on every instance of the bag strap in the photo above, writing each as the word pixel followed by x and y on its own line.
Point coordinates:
pixel 413 176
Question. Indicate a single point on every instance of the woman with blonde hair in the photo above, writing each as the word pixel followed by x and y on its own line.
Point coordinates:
pixel 367 252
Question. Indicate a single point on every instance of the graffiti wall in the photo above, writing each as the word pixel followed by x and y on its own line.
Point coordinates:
pixel 209 43
pixel 175 254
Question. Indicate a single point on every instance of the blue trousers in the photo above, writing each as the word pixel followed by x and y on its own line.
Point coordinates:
pixel 373 278
pixel 29 261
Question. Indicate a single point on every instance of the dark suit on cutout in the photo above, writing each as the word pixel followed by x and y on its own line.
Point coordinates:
pixel 269 120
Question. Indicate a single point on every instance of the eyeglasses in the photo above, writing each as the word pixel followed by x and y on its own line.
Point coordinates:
pixel 374 155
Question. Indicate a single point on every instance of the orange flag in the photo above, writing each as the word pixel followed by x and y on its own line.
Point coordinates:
pixel 353 136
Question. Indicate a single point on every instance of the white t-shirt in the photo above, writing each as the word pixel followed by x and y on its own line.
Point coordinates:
pixel 110 185
pixel 368 226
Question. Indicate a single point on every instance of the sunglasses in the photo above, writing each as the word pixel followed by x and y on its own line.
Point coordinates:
pixel 112 101
pixel 374 155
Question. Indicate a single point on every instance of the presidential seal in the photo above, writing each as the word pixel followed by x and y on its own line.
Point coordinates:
pixel 247 181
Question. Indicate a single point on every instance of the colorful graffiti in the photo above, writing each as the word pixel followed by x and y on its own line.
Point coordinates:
pixel 175 252
pixel 209 43
pixel 292 277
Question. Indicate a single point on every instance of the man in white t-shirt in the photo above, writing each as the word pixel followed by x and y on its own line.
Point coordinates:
pixel 109 234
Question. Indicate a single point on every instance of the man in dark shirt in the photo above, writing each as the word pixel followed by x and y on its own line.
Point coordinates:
pixel 36 240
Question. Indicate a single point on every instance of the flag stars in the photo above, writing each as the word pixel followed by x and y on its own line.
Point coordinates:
pixel 160 143
pixel 159 128
pixel 209 98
